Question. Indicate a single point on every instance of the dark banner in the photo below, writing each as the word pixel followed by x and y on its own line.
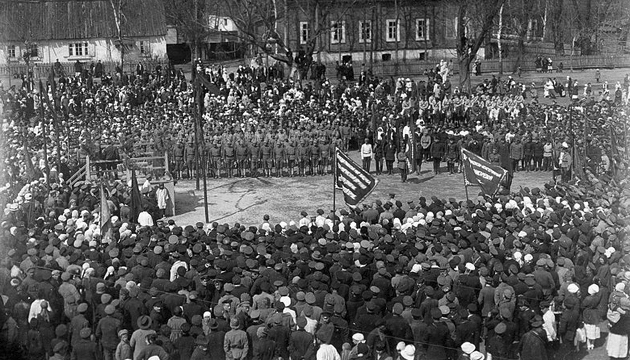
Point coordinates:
pixel 480 172
pixel 355 182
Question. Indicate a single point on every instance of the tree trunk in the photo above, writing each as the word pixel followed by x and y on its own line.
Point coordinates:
pixel 558 34
pixel 544 24
pixel 499 41
pixel 396 37
pixel 464 72
pixel 122 55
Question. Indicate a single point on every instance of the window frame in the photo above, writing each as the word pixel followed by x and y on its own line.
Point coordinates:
pixel 305 32
pixel 340 31
pixel 12 49
pixel 455 29
pixel 74 47
pixel 388 27
pixel 143 47
pixel 362 38
pixel 425 29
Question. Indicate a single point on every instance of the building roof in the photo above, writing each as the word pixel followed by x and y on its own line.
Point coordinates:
pixel 34 20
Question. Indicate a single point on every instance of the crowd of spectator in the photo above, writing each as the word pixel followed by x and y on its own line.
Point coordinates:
pixel 536 273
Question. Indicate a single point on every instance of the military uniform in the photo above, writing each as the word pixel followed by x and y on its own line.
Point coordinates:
pixel 266 153
pixel 241 157
pixel 314 161
pixel 291 155
pixel 215 159
pixel 278 157
pixel 253 154
pixel 324 155
pixel 229 154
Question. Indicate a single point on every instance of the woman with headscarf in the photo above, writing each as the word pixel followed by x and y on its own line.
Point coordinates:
pixel 619 322
pixel 591 315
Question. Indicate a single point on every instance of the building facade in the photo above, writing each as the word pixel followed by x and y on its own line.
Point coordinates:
pixel 83 30
pixel 375 30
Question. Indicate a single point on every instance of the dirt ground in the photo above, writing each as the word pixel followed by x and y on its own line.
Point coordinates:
pixel 247 200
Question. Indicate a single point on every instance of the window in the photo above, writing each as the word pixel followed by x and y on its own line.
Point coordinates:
pixel 33 51
pixel 143 46
pixel 533 29
pixel 365 31
pixel 422 29
pixel 451 28
pixel 392 29
pixel 338 32
pixel 304 32
pixel 11 51
pixel 78 49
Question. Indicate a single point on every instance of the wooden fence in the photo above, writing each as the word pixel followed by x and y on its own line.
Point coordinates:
pixel 42 70
pixel 510 65
pixel 379 68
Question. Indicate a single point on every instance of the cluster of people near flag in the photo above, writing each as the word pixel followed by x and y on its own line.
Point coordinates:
pixel 536 273
pixel 288 128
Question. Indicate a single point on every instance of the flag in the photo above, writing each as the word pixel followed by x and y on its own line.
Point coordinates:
pixel 105 216
pixel 136 199
pixel 480 172
pixel 31 174
pixel 355 182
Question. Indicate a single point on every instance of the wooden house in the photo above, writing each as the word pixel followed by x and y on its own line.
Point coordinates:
pixel 83 30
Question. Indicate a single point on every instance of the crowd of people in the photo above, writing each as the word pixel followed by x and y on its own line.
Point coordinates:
pixel 532 273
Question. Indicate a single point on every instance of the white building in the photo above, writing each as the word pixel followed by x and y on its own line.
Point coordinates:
pixel 84 30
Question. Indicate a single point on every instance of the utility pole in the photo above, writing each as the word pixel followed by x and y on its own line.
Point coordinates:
pixel 396 36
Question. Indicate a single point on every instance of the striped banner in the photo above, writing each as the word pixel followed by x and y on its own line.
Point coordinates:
pixel 479 172
pixel 355 182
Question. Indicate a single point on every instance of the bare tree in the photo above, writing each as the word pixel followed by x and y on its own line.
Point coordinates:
pixel 120 19
pixel 190 17
pixel 482 13
pixel 261 22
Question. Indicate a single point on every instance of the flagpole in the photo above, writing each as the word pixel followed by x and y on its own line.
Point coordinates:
pixel 44 126
pixel 334 185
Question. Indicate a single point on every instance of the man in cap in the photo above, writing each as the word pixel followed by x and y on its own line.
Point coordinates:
pixel 532 345
pixel 78 323
pixel 85 349
pixel 301 342
pixel 228 155
pixel 325 152
pixel 291 156
pixel 152 351
pixel 266 158
pixel 70 295
pixel 59 351
pixel 201 348
pixel 304 155
pixel 565 161
pixel 214 161
pixel 253 153
pixel 315 158
pixel 190 152
pixel 398 327
pixel 437 337
pixel 279 158
pixel 324 336
pixel 235 343
pixel 241 157
pixel 107 333
pixel 123 349
pixel 544 278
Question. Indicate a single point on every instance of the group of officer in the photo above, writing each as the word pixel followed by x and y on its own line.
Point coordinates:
pixel 242 156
